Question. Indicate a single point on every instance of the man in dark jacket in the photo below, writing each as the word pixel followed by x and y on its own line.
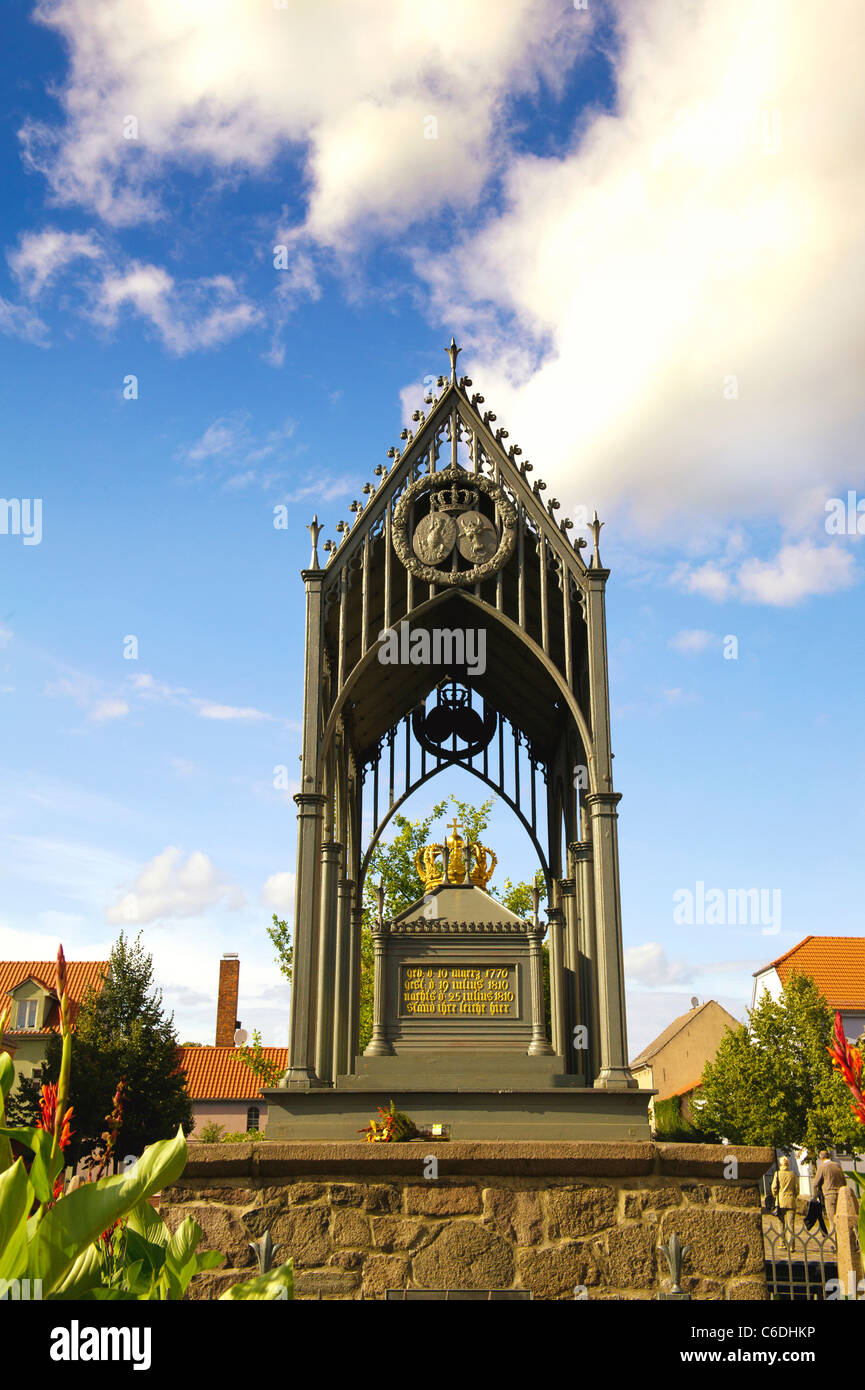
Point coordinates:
pixel 828 1183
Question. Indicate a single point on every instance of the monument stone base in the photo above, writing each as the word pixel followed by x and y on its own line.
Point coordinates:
pixel 561 1221
pixel 472 1111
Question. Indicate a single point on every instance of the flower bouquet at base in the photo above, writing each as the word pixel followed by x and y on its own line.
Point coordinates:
pixel 393 1127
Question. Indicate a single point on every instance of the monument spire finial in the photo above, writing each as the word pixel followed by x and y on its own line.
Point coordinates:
pixel 595 528
pixel 315 529
pixel 453 352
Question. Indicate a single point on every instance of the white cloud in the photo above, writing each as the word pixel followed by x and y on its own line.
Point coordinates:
pixel 17 321
pixel 649 965
pixel 109 709
pixel 189 315
pixel 41 256
pixel 230 451
pixel 278 892
pixel 796 572
pixel 666 315
pixel 233 88
pixel 6 635
pixel 691 641
pixel 168 886
pixel 246 714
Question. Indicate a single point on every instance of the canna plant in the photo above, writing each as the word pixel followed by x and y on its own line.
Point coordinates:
pixel 102 1239
pixel 848 1060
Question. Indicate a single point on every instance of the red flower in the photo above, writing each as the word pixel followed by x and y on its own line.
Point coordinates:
pixel 48 1116
pixel 848 1060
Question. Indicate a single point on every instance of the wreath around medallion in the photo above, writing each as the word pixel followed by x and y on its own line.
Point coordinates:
pixel 433 483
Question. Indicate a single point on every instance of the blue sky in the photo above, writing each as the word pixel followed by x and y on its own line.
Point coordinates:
pixel 652 259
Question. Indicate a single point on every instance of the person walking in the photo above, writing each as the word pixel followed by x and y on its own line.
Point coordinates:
pixel 829 1181
pixel 785 1190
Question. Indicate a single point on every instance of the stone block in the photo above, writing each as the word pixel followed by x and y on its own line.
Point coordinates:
pixel 350 1228
pixel 732 1194
pixel 398 1232
pixel 696 1194
pixel 300 1192
pixel 213 1282
pixel 381 1197
pixel 722 1243
pixel 231 1195
pixel 383 1272
pixel 440 1199
pixel 343 1194
pixel 223 1228
pixel 330 1283
pixel 259 1219
pixel 631 1255
pixel 742 1289
pixel 558 1271
pixel 303 1235
pixel 464 1255
pixel 579 1211
pixel 517 1214
pixel 651 1199
pixel 346 1259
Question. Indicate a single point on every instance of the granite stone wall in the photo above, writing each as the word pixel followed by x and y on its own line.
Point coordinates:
pixel 360 1224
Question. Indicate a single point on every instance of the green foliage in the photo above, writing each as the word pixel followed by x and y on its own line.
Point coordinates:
pixel 671 1126
pixel 210 1134
pixel 773 1082
pixel 22 1106
pixel 261 1066
pixel 281 938
pixel 123 1032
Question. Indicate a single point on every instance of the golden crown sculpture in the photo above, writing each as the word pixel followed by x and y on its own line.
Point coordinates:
pixel 466 861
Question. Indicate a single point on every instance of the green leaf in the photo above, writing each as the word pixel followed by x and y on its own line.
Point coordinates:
pixel 85 1274
pixel 81 1216
pixel 45 1167
pixel 148 1223
pixel 7 1075
pixel 277 1283
pixel 16 1199
pixel 184 1242
pixel 149 1251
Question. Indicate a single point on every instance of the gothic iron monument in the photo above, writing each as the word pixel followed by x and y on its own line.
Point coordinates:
pixel 454 540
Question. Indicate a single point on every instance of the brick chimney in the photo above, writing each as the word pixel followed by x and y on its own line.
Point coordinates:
pixel 226 1008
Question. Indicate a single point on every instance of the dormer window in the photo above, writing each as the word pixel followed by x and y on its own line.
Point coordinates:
pixel 27 1013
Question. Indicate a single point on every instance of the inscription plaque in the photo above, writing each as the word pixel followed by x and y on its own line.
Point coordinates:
pixel 458 991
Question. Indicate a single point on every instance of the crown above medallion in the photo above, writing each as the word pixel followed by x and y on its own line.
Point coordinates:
pixel 453 499
pixel 462 861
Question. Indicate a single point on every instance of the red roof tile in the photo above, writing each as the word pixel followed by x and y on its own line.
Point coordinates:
pixel 217 1073
pixel 81 975
pixel 836 964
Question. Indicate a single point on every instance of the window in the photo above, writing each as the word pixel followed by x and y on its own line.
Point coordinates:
pixel 27 1013
pixel 252 1118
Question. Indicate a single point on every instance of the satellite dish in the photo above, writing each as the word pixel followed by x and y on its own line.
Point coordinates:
pixel 694 1001
pixel 241 1038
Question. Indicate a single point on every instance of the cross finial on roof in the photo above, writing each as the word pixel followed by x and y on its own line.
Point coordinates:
pixel 453 352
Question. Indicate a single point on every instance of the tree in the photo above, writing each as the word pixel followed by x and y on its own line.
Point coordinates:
pixel 122 1032
pixel 281 938
pixel 772 1082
